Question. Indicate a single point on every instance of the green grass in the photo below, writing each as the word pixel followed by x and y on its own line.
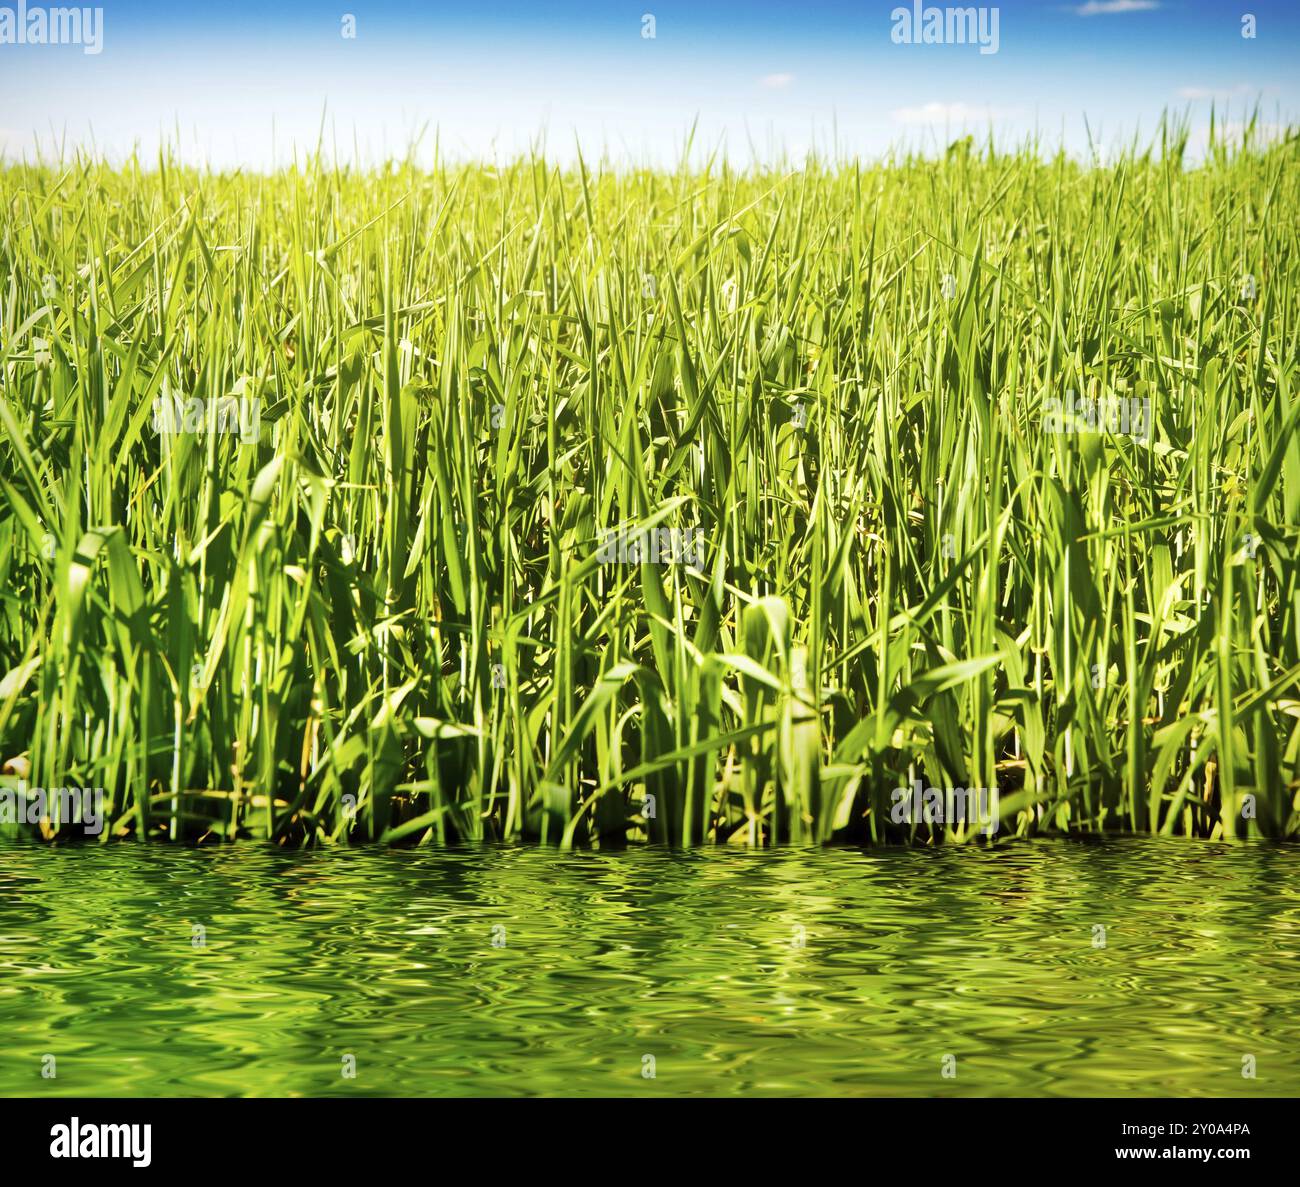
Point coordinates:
pixel 388 618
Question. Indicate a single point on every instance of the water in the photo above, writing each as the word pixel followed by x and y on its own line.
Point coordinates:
pixel 796 972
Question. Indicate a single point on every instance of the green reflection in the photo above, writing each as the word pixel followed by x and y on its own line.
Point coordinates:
pixel 525 971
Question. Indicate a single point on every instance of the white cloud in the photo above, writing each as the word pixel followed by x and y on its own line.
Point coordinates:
pixel 1242 88
pixel 949 113
pixel 1104 7
pixel 777 81
pixel 1262 132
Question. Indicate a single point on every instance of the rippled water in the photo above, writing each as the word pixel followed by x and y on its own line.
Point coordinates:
pixel 795 972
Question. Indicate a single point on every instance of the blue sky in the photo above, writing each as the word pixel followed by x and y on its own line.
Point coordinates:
pixel 243 83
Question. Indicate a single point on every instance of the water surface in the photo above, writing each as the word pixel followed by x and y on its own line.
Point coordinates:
pixel 524 971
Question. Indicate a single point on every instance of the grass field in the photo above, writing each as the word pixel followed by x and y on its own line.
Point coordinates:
pixel 307 480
